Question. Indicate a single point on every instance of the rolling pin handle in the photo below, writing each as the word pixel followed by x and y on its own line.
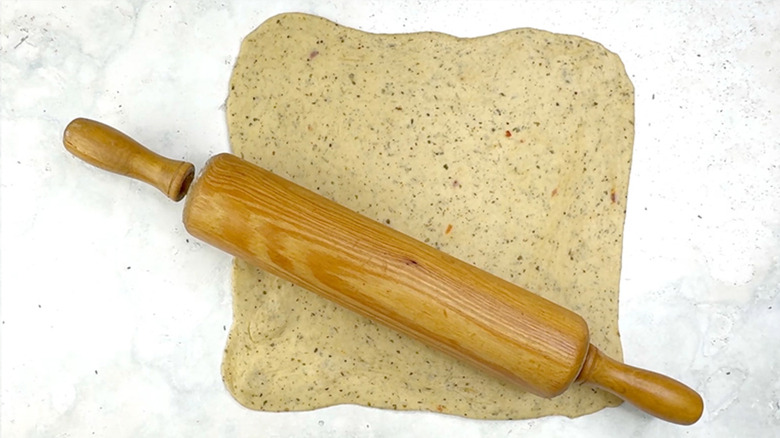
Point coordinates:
pixel 656 394
pixel 109 149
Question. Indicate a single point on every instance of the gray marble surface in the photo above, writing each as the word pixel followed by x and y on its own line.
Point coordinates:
pixel 114 319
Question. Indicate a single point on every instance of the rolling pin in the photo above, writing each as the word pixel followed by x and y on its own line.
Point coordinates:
pixel 385 275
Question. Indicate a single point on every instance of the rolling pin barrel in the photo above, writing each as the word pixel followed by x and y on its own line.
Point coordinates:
pixel 378 272
pixel 385 275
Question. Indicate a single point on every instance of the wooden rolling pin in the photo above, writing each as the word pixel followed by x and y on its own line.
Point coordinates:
pixel 385 275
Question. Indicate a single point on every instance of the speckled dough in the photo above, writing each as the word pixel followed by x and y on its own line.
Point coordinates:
pixel 510 151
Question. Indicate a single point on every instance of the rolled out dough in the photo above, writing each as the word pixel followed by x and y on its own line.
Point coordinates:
pixel 509 151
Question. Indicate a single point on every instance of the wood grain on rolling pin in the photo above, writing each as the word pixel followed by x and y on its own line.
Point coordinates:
pixel 374 270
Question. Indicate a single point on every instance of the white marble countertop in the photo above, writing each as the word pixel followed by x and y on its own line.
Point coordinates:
pixel 114 319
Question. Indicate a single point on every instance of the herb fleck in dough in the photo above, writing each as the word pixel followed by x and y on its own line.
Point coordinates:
pixel 510 151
